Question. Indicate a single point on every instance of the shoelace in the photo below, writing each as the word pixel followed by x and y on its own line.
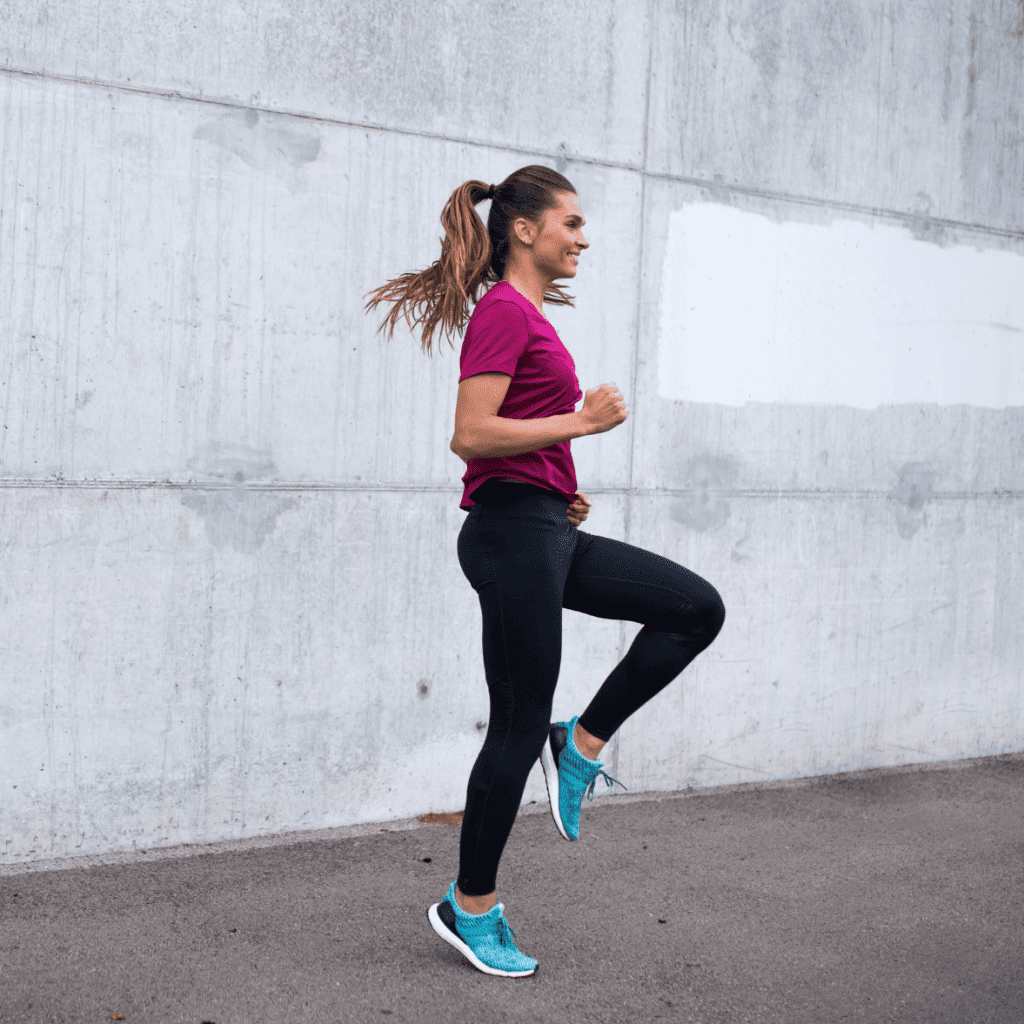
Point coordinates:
pixel 504 931
pixel 609 781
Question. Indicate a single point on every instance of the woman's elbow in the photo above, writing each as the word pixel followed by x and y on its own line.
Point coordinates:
pixel 460 448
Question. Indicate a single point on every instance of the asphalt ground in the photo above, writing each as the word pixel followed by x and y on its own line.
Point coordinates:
pixel 885 895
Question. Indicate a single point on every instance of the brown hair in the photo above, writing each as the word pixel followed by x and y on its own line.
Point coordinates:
pixel 471 256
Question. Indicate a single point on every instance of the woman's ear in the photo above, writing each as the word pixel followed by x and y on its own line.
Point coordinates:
pixel 525 230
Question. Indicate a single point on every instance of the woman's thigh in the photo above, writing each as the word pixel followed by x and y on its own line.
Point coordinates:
pixel 517 564
pixel 615 580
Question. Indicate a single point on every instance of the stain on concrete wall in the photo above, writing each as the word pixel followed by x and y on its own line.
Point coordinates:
pixel 915 484
pixel 238 515
pixel 273 143
pixel 706 506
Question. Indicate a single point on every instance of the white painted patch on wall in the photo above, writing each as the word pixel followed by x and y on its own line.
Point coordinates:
pixel 844 314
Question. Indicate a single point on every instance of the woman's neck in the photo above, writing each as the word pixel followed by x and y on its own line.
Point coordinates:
pixel 530 285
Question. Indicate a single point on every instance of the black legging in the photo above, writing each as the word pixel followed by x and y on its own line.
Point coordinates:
pixel 527 562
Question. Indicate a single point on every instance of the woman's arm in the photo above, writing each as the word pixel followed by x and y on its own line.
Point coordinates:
pixel 481 433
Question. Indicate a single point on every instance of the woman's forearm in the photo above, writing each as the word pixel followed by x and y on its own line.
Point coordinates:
pixel 500 435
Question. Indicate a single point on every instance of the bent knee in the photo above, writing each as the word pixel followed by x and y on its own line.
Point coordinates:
pixel 704 618
pixel 715 615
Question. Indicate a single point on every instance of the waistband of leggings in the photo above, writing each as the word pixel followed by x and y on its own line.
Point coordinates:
pixel 503 492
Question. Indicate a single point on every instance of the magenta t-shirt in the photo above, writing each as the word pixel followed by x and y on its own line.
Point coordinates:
pixel 507 334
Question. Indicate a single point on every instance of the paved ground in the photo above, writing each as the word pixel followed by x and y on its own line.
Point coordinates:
pixel 890 895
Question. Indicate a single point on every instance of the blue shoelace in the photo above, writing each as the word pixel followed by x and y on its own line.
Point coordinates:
pixel 504 931
pixel 609 781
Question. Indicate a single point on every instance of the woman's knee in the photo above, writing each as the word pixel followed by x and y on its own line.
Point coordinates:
pixel 703 617
pixel 715 614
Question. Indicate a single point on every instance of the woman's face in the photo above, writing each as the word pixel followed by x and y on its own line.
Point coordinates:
pixel 560 240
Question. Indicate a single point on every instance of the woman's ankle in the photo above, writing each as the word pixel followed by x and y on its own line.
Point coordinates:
pixel 589 746
pixel 474 904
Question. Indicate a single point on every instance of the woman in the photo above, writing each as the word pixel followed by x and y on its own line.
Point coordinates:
pixel 519 546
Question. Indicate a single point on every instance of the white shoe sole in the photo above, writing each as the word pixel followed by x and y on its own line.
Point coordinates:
pixel 452 939
pixel 547 762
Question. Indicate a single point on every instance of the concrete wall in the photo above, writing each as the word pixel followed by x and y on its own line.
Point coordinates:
pixel 231 602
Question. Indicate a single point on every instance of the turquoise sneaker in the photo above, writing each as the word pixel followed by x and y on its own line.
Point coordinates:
pixel 569 775
pixel 485 940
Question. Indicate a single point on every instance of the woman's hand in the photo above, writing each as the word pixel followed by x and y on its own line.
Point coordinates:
pixel 603 408
pixel 578 509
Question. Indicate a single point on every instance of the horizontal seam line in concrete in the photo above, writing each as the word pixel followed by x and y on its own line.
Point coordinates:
pixel 295 838
pixel 1016 234
pixel 28 483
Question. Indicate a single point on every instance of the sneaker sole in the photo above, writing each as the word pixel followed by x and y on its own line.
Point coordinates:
pixel 547 762
pixel 452 939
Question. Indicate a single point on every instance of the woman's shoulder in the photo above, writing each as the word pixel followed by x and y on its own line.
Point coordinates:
pixel 498 294
pixel 499 307
pixel 502 301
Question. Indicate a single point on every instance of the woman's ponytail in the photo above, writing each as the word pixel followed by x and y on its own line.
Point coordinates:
pixel 471 255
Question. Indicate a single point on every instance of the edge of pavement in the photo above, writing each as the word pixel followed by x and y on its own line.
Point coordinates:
pixel 440 819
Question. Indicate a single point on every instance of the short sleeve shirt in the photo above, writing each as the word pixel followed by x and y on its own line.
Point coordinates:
pixel 507 334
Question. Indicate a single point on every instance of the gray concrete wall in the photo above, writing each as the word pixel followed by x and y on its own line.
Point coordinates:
pixel 231 599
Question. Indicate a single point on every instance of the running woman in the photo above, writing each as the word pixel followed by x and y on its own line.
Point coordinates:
pixel 520 546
